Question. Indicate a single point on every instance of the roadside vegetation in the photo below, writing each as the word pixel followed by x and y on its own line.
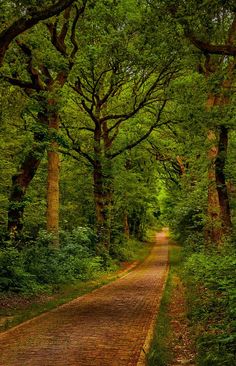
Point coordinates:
pixel 210 280
pixel 30 287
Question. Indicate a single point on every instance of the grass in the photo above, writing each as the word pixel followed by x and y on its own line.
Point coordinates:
pixel 160 351
pixel 27 308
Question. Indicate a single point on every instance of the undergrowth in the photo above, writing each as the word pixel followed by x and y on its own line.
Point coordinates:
pixel 210 279
pixel 37 278
pixel 37 267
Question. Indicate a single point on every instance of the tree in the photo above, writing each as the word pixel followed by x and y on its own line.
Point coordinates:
pixel 215 41
pixel 44 86
pixel 114 86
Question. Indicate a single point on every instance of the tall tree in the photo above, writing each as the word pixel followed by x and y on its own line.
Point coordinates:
pixel 211 27
pixel 44 85
pixel 115 86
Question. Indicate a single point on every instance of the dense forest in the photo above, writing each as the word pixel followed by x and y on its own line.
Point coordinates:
pixel 118 116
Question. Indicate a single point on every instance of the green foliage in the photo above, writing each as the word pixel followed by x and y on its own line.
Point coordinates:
pixel 127 249
pixel 13 275
pixel 38 267
pixel 212 295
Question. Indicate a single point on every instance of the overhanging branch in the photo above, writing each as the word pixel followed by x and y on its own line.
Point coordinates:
pixel 224 49
pixel 28 21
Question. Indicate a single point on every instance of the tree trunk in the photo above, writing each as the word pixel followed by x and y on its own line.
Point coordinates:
pixel 53 182
pixel 22 180
pixel 103 202
pixel 126 225
pixel 221 181
pixel 213 227
pixel 219 216
pixel 102 193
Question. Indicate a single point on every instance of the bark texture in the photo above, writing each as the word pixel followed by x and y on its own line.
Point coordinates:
pixel 126 225
pixel 22 179
pixel 53 191
pixel 213 228
pixel 221 181
pixel 20 183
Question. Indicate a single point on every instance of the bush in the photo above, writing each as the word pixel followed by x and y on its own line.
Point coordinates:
pixel 13 276
pixel 212 298
pixel 126 249
pixel 39 267
pixel 43 263
pixel 83 236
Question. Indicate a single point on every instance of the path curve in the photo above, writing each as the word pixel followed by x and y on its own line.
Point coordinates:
pixel 107 327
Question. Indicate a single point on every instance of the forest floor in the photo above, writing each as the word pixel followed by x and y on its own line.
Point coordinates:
pixel 109 326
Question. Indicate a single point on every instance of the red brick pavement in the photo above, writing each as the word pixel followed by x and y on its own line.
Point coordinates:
pixel 108 327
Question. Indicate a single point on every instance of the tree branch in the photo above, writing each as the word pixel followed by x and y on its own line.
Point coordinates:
pixel 78 12
pixel 34 74
pixel 142 138
pixel 76 147
pixel 28 21
pixel 20 83
pixel 224 49
pixel 85 155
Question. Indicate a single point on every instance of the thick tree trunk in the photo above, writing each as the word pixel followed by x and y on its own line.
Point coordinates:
pixel 103 193
pixel 213 227
pixel 103 203
pixel 53 192
pixel 20 183
pixel 22 179
pixel 219 216
pixel 221 181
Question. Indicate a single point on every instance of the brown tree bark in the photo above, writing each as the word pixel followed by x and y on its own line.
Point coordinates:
pixel 213 230
pixel 103 206
pixel 102 192
pixel 53 191
pixel 22 179
pixel 219 220
pixel 49 116
pixel 20 183
pixel 219 215
pixel 221 185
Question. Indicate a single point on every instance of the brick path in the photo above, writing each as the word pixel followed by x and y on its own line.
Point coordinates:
pixel 108 327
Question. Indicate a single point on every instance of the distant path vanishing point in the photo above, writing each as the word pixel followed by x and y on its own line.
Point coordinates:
pixel 110 326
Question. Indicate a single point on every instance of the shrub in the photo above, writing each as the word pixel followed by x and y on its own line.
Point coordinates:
pixel 39 267
pixel 13 276
pixel 212 298
pixel 126 249
pixel 82 236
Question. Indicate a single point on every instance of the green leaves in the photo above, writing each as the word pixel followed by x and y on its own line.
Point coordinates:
pixel 211 283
